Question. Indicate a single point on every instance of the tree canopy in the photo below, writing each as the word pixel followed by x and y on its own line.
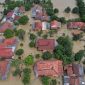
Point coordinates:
pixel 19 52
pixel 8 33
pixel 29 60
pixel 23 20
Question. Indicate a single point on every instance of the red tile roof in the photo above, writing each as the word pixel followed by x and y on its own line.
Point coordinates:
pixel 74 80
pixel 55 24
pixel 38 25
pixel 10 41
pixel 6 53
pixel 21 9
pixel 5 26
pixel 80 25
pixel 3 67
pixel 45 44
pixel 49 68
pixel 16 17
pixel 9 14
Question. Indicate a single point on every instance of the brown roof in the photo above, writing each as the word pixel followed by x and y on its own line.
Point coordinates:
pixel 49 68
pixel 45 44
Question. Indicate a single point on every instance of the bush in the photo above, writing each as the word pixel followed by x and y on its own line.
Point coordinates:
pixel 45 36
pixel 19 52
pixel 47 55
pixel 56 10
pixel 32 36
pixel 29 60
pixel 37 56
pixel 67 10
pixel 8 33
pixel 75 10
pixel 32 44
pixel 23 20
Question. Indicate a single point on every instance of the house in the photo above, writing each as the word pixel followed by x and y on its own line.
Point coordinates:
pixel 4 69
pixel 6 53
pixel 55 25
pixel 76 25
pixel 5 26
pixel 75 74
pixel 39 13
pixel 40 26
pixel 45 44
pixel 53 68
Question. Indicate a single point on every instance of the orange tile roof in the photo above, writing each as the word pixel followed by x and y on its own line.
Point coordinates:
pixel 49 68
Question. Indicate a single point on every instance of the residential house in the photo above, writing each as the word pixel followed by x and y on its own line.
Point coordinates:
pixel 14 15
pixel 76 25
pixel 39 13
pixel 76 32
pixel 40 26
pixel 4 69
pixel 75 74
pixel 53 68
pixel 46 44
pixel 55 25
pixel 5 26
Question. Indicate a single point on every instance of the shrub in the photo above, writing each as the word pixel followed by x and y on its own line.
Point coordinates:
pixel 67 10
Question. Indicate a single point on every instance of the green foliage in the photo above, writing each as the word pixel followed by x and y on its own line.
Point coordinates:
pixel 64 50
pixel 77 37
pixel 26 76
pixel 53 82
pixel 19 52
pixel 37 56
pixel 29 60
pixel 17 72
pixel 62 20
pixel 21 44
pixel 56 10
pixel 39 33
pixel 67 10
pixel 28 6
pixel 47 55
pixel 81 6
pixel 45 80
pixel 32 36
pixel 32 44
pixel 8 33
pixel 15 63
pixel 75 10
pixel 23 20
pixel 83 18
pixel 50 11
pixel 20 33
pixel 54 17
pixel 45 36
pixel 79 55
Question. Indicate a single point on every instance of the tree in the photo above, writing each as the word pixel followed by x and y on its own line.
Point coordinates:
pixel 32 44
pixel 56 10
pixel 45 36
pixel 17 72
pixel 53 82
pixel 47 55
pixel 75 10
pixel 67 10
pixel 21 34
pixel 79 55
pixel 37 56
pixel 29 60
pixel 26 76
pixel 19 52
pixel 8 33
pixel 15 63
pixel 64 50
pixel 83 18
pixel 45 80
pixel 23 20
pixel 39 33
pixel 32 36
pixel 62 20
pixel 28 6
